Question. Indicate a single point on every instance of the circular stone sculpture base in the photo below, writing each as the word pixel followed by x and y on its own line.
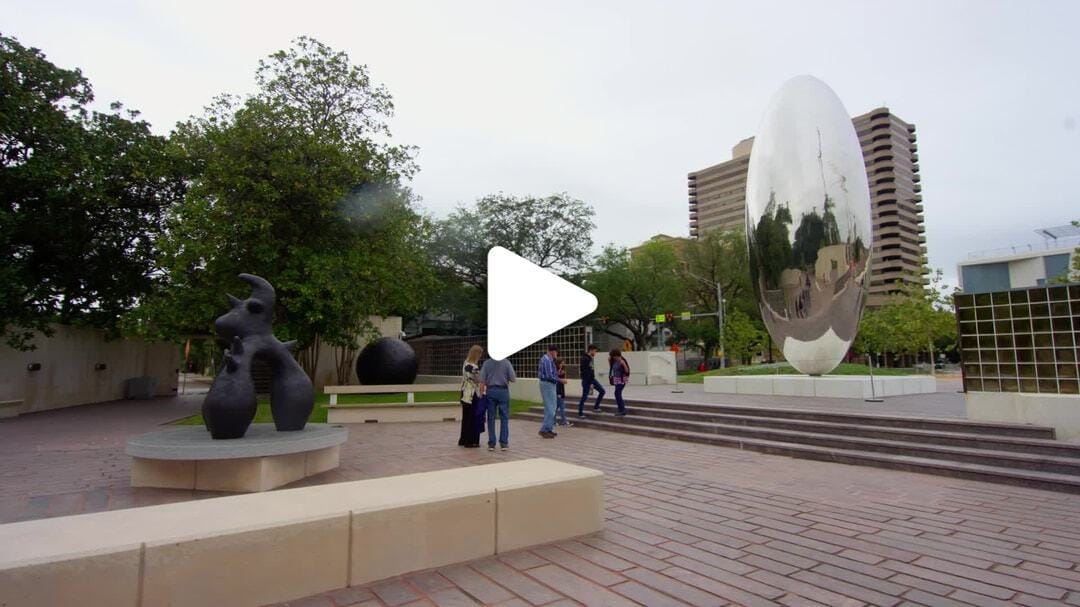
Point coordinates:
pixel 185 457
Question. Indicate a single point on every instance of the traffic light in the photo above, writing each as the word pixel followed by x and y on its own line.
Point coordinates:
pixel 669 317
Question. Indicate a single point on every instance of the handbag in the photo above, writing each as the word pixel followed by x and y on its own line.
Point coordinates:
pixel 480 407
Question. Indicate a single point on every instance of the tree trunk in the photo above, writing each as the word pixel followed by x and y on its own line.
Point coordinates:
pixel 309 358
pixel 344 356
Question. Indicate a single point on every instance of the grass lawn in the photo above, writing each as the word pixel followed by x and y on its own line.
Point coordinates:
pixel 318 415
pixel 785 369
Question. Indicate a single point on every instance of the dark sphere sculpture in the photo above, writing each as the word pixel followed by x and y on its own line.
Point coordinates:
pixel 386 361
pixel 230 405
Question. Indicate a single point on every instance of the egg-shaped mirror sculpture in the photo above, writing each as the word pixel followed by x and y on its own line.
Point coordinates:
pixel 808 225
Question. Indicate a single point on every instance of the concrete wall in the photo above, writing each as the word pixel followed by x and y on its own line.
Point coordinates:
pixel 646 368
pixel 1026 272
pixel 326 372
pixel 1059 411
pixel 67 376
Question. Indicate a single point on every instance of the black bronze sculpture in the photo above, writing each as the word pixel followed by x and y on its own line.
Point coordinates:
pixel 230 405
pixel 386 361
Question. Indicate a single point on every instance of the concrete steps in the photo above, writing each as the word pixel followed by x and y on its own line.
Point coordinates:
pixel 1005 453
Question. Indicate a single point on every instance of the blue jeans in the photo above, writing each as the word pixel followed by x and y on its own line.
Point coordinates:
pixel 498 399
pixel 586 388
pixel 618 397
pixel 560 409
pixel 547 392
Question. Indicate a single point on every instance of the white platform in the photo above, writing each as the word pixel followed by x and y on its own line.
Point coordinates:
pixel 832 386
pixel 1059 411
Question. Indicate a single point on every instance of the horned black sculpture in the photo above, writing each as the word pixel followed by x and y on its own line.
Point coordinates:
pixel 230 405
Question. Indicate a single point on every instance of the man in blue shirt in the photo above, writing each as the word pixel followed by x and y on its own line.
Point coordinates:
pixel 549 379
pixel 495 379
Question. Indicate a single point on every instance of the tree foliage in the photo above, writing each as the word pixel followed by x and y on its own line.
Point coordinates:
pixel 1073 273
pixel 554 232
pixel 918 320
pixel 632 290
pixel 294 185
pixel 83 198
pixel 719 257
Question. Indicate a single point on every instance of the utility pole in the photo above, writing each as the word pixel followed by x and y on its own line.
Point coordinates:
pixel 720 321
pixel 719 312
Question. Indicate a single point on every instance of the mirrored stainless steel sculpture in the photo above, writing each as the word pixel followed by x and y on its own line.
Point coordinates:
pixel 808 225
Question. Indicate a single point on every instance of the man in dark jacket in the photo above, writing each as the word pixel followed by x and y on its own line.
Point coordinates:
pixel 588 381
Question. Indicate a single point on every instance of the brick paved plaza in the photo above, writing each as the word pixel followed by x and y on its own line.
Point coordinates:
pixel 687 524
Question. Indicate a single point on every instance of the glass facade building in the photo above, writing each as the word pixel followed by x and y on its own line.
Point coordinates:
pixel 1021 340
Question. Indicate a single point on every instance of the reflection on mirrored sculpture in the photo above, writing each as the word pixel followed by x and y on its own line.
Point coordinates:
pixel 808 225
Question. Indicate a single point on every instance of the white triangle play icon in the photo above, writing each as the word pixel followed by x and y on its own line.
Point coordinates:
pixel 526 303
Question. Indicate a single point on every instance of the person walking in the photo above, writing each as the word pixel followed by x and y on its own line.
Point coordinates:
pixel 549 378
pixel 619 374
pixel 588 381
pixel 471 424
pixel 495 379
pixel 560 394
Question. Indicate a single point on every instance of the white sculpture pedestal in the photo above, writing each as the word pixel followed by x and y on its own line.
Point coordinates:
pixel 830 386
pixel 185 457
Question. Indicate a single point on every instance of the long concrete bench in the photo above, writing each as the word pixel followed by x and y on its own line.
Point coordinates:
pixel 409 411
pixel 279 546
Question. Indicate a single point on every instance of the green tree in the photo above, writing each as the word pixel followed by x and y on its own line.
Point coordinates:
pixel 915 321
pixel 718 257
pixel 290 184
pixel 83 197
pixel 742 336
pixel 1073 273
pixel 554 232
pixel 631 291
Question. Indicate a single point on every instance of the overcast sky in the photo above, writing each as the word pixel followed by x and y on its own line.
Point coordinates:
pixel 615 102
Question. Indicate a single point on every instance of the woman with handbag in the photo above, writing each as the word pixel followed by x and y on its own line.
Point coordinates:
pixel 470 397
pixel 619 376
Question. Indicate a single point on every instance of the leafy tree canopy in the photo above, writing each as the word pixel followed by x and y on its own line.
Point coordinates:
pixel 294 185
pixel 719 257
pixel 554 232
pixel 632 290
pixel 917 320
pixel 83 199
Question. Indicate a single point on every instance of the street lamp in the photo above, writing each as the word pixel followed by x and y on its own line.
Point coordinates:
pixel 719 312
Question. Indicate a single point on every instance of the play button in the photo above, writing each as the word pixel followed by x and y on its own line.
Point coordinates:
pixel 526 303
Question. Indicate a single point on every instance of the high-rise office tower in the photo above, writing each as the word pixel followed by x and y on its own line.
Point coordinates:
pixel 718 199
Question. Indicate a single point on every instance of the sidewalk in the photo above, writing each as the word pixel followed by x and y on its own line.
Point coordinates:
pixel 686 524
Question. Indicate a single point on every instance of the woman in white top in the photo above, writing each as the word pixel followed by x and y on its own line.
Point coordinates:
pixel 470 394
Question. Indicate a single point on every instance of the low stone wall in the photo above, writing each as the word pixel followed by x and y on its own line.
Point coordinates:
pixel 829 386
pixel 1059 411
pixel 279 546
pixel 646 368
pixel 68 372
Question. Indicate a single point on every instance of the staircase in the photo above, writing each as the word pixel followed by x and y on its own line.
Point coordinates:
pixel 1002 453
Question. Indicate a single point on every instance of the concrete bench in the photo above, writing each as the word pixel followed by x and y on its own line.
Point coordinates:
pixel 409 411
pixel 283 545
